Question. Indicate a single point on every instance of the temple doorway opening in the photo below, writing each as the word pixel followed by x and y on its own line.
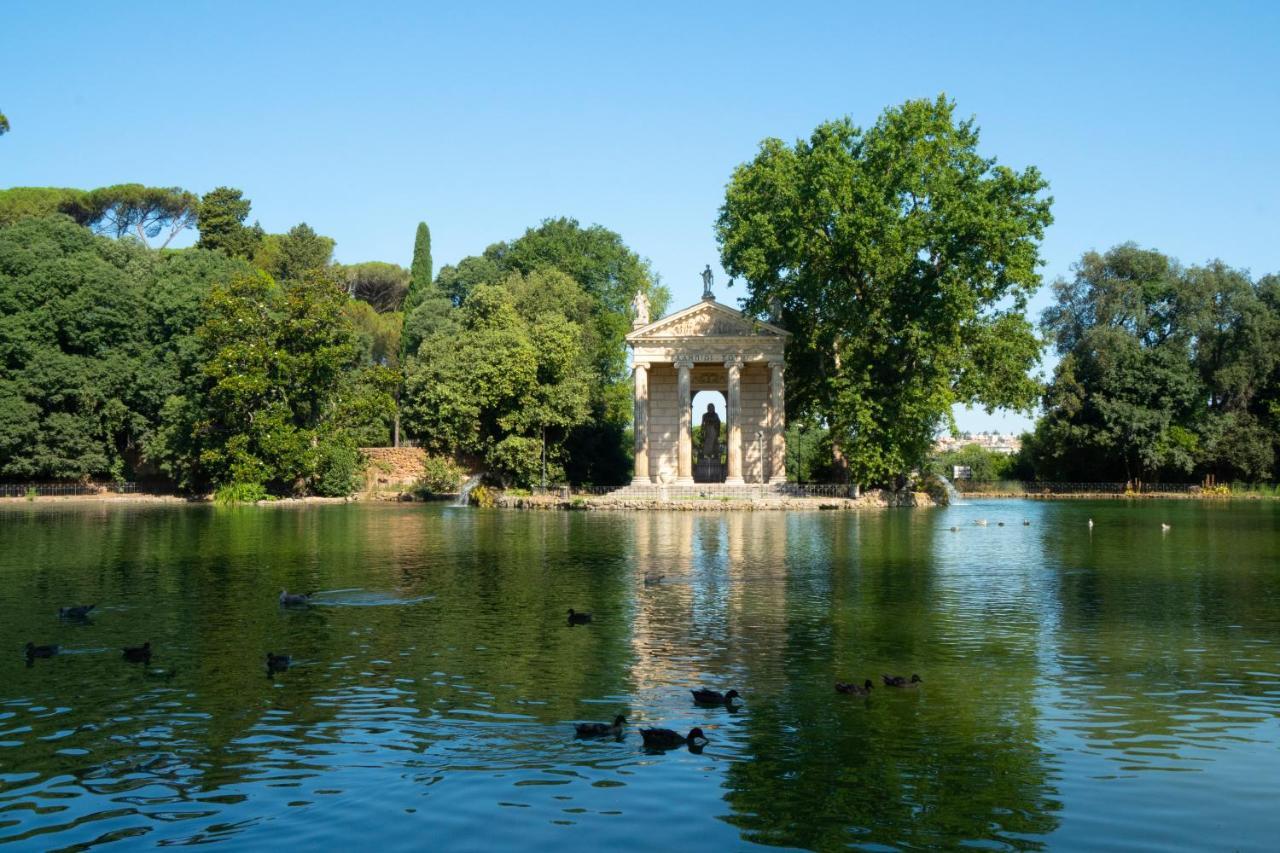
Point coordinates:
pixel 710 447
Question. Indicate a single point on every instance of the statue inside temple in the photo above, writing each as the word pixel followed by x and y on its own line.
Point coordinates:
pixel 710 451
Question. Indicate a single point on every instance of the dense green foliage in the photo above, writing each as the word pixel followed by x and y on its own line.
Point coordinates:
pixel 809 456
pixel 4 124
pixel 1166 372
pixel 94 335
pixel 508 384
pixel 222 213
pixel 440 476
pixel 901 259
pixel 593 449
pixel 281 400
pixel 120 362
pixel 20 202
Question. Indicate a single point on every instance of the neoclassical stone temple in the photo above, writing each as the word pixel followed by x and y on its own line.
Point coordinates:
pixel 708 347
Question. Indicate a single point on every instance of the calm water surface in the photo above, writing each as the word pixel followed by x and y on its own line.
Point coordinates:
pixel 1118 689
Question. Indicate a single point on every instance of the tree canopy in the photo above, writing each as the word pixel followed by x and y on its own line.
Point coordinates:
pixel 94 336
pixel 421 270
pixel 1165 372
pixel 222 213
pixel 608 274
pixel 382 286
pixel 901 259
pixel 141 210
pixel 510 383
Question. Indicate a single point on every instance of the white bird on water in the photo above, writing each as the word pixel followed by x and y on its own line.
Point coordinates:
pixel 1165 528
pixel 1091 524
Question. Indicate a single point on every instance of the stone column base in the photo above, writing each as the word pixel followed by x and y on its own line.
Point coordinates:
pixel 777 481
pixel 734 481
pixel 642 481
pixel 684 481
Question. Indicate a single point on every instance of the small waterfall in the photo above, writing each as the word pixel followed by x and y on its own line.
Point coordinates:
pixel 953 497
pixel 464 494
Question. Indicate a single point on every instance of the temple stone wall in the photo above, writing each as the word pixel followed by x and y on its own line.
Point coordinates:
pixel 755 417
pixel 664 422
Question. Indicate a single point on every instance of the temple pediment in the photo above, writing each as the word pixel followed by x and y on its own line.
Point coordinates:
pixel 707 319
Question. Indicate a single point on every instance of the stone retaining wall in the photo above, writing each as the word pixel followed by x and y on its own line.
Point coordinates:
pixel 388 467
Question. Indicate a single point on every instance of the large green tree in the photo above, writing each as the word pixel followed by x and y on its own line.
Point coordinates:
pixel 609 273
pixel 508 385
pixel 294 254
pixel 901 258
pixel 145 212
pixel 1165 372
pixel 420 272
pixel 280 402
pixel 221 214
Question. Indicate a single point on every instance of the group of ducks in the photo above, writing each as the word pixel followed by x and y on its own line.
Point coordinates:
pixel 142 654
pixel 658 738
pixel 864 689
pixel 654 738
pixel 80 613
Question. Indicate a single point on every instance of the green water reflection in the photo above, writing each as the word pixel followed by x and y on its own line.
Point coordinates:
pixel 1087 690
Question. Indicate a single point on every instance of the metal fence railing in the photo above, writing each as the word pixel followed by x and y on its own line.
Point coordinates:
pixel 20 490
pixel 1013 487
pixel 708 491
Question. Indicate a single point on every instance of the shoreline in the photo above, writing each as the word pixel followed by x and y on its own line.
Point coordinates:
pixel 142 498
pixel 871 499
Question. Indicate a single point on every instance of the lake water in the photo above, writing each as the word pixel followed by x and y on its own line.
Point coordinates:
pixel 1109 689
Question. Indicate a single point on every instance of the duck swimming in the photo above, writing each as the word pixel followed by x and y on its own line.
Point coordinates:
pixel 900 681
pixel 601 729
pixel 138 654
pixel 278 663
pixel 34 651
pixel 713 697
pixel 863 689
pixel 295 599
pixel 75 611
pixel 668 739
pixel 576 618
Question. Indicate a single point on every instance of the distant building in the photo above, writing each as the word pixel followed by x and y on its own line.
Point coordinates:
pixel 1005 444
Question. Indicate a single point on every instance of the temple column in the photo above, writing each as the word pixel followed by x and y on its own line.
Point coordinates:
pixel 684 447
pixel 733 414
pixel 642 426
pixel 777 424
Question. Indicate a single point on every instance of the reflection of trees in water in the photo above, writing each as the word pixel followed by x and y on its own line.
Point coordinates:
pixel 202 585
pixel 1167 644
pixel 955 761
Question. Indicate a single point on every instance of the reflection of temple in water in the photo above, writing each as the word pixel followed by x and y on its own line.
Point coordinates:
pixel 724 584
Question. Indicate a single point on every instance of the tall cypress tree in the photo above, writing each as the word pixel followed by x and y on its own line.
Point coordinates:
pixel 420 272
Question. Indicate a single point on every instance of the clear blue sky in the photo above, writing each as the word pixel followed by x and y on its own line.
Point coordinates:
pixel 1154 122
